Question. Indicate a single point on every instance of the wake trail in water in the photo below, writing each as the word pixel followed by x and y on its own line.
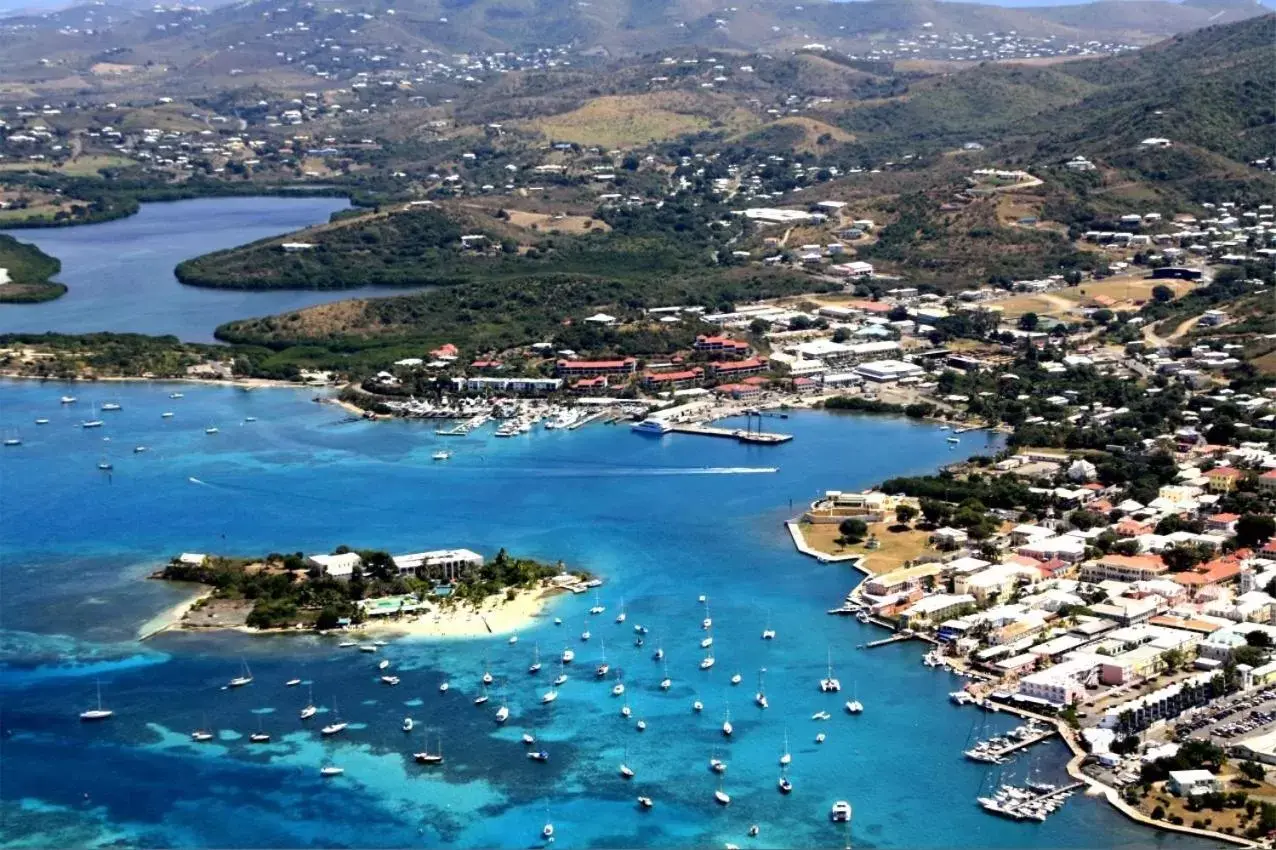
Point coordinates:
pixel 637 472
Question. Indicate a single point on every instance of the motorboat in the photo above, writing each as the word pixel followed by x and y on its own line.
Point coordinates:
pixel 105 466
pixel 821 715
pixel 707 662
pixel 68 399
pixel 641 726
pixel 586 635
pixel 768 634
pixel 201 735
pixel 645 802
pixel 443 686
pixel 513 639
pixel 626 771
pixel 721 797
pixel 211 429
pixel 502 714
pixel 111 405
pixel 737 679
pixel 331 770
pixel 717 765
pixel 408 723
pixel 166 415
pixel 42 421
pixel 697 706
pixel 441 455
pixel 625 710
pixel 707 642
pixel 841 812
pixel 819 739
pixel 175 395
pixel 259 738
pixel 538 755
pixel 390 680
pixel 383 663
pixel 334 728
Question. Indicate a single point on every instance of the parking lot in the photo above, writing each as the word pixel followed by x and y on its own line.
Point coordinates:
pixel 1238 717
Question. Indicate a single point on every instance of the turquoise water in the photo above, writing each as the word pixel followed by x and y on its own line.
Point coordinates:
pixel 119 274
pixel 662 520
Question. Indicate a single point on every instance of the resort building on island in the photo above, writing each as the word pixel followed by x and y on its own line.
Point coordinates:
pixel 441 564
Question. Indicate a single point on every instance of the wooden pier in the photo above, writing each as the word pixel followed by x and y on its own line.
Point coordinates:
pixel 884 641
pixel 743 435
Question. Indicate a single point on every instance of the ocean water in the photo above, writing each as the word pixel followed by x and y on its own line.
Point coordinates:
pixel 661 520
pixel 119 274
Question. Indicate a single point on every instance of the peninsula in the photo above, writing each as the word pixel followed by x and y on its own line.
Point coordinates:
pixel 24 273
pixel 441 593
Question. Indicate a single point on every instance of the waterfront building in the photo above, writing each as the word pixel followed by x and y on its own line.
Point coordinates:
pixel 507 385
pixel 739 392
pixel 673 380
pixel 440 564
pixel 935 608
pixel 336 566
pixel 591 368
pixel 1187 783
pixel 884 371
pixel 903 580
pixel 1065 682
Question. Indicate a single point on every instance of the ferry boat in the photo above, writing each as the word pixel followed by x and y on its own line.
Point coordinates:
pixel 652 426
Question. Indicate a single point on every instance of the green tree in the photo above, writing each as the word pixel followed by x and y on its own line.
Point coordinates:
pixel 1254 530
pixel 328 618
pixel 904 514
pixel 1029 321
pixel 853 529
pixel 1252 770
pixel 1162 294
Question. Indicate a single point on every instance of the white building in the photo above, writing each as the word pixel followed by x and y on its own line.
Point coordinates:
pixel 445 564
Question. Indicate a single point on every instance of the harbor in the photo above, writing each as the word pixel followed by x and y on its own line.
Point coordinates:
pixel 999 749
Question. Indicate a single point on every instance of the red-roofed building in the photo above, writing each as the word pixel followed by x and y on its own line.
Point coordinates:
pixel 590 368
pixel 1269 548
pixel 1133 528
pixel 756 381
pixel 1221 522
pixel 721 346
pixel 1054 568
pixel 1212 572
pixel 673 380
pixel 738 391
pixel 739 369
pixel 1222 479
pixel 806 385
pixel 486 364
pixel 1127 568
pixel 598 383
pixel 1267 481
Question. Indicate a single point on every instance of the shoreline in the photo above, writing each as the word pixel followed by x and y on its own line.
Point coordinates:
pixel 240 383
pixel 172 617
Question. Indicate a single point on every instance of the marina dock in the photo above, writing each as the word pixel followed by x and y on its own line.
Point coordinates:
pixel 1017 804
pixel 998 750
pixel 744 436
pixel 884 641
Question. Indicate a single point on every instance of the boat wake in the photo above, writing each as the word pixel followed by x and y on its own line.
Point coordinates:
pixel 629 471
pixel 194 480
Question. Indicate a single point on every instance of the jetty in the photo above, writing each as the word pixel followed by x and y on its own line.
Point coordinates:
pixel 998 750
pixel 873 644
pixel 1018 804
pixel 743 435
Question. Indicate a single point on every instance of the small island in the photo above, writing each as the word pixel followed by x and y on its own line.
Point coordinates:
pixel 24 273
pixel 441 593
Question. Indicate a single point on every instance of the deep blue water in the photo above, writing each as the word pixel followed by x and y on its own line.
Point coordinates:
pixel 662 520
pixel 119 274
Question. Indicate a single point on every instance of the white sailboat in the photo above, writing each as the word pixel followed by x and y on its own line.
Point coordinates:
pixel 202 734
pixel 707 622
pixel 513 639
pixel 854 706
pixel 707 661
pixel 337 725
pixel 618 689
pixel 331 770
pixel 736 679
pixel 721 797
pixel 829 684
pixel 427 757
pixel 716 764
pixel 768 633
pixel 383 663
pixel 244 678
pixel 98 713
pixel 549 696
pixel 568 656
pixel 697 706
pixel 310 709
pixel 408 724
pixel 666 683
pixel 444 685
pixel 760 696
pixel 620 618
pixel 625 770
pixel 727 728
pixel 487 675
pixel 502 713
pixel 483 697
pixel 536 660
pixel 562 674
pixel 786 757
pixel 603 667
pixel 292 683
pixel 261 736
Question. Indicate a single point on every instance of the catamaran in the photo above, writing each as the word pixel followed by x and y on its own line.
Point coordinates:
pixel 98 713
pixel 244 678
pixel 854 706
pixel 829 684
pixel 598 606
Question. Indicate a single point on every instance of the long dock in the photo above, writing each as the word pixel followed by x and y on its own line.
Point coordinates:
pixel 884 641
pixel 744 436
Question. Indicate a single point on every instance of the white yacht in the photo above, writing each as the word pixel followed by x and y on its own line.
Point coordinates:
pixel 603 667
pixel 383 663
pixel 390 680
pixel 706 642
pixel 620 618
pixel 707 662
pixel 568 656
pixel 111 405
pixel 441 455
pixel 697 706
pixel 536 660
pixel 42 421
pixel 331 770
pixel 786 757
pixel 727 728
pixel 166 415
pixel 529 738
pixel 98 713
pixel 201 735
pixel 211 429
pixel 841 812
pixel 337 725
pixel 760 696
pixel 502 714
pixel 722 797
pixel 444 685
pixel 68 399
pixel 408 723
pixel 549 696
pixel 666 683
pixel 737 679
pixel 652 426
pixel 175 395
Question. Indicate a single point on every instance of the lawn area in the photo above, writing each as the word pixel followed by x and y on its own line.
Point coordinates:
pixel 628 120
pixel 545 223
pixel 897 547
pixel 1129 287
pixel 1222 820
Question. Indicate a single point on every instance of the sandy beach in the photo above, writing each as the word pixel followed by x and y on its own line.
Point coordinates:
pixel 173 616
pixel 494 617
